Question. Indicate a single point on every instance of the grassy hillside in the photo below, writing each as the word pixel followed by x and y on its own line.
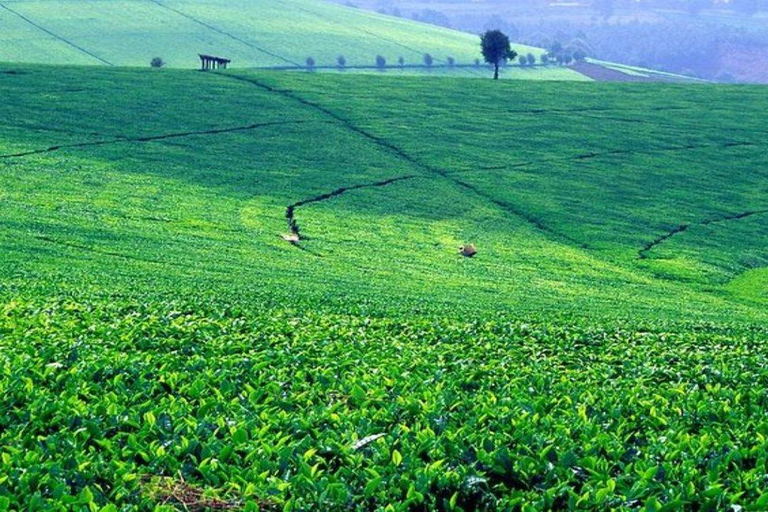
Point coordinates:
pixel 579 189
pixel 604 349
pixel 253 33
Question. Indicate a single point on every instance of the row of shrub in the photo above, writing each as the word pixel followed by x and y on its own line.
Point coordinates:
pixel 429 61
pixel 381 61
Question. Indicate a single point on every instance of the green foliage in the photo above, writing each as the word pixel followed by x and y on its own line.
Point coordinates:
pixel 101 399
pixel 155 328
pixel 496 49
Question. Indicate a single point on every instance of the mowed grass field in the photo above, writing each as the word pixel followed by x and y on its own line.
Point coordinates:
pixel 252 33
pixel 605 349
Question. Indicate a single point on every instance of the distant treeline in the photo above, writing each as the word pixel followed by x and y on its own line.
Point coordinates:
pixel 702 38
pixel 677 46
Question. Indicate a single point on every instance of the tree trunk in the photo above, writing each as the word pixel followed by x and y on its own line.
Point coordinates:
pixel 496 71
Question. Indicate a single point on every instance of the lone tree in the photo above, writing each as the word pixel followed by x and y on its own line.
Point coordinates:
pixel 428 60
pixel 381 62
pixel 496 50
pixel 157 62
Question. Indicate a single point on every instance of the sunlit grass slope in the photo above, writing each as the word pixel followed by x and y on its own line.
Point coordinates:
pixel 605 349
pixel 634 174
pixel 592 199
pixel 561 199
pixel 253 33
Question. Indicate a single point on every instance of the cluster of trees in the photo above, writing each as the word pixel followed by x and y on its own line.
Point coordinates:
pixel 565 55
pixel 497 51
pixel 527 60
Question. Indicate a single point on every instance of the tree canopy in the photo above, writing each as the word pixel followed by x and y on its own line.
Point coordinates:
pixel 496 49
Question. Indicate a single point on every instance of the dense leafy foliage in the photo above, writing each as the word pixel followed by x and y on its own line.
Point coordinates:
pixel 155 328
pixel 315 409
pixel 496 49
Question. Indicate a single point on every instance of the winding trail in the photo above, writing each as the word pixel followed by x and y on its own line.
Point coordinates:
pixel 152 138
pixel 682 228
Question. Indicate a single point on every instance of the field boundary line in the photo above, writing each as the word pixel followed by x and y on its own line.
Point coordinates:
pixel 612 152
pixel 682 228
pixel 392 149
pixel 56 36
pixel 152 138
pixel 38 128
pixel 224 33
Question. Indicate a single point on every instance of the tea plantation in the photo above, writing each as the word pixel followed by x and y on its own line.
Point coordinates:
pixel 253 34
pixel 162 345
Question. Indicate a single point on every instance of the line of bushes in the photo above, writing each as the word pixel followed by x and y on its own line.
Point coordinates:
pixel 429 61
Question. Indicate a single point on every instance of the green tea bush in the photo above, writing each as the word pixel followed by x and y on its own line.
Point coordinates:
pixel 320 410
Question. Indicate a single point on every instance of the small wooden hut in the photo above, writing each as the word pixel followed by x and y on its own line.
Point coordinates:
pixel 208 62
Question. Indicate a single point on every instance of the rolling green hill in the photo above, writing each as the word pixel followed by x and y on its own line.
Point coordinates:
pixel 253 33
pixel 606 347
